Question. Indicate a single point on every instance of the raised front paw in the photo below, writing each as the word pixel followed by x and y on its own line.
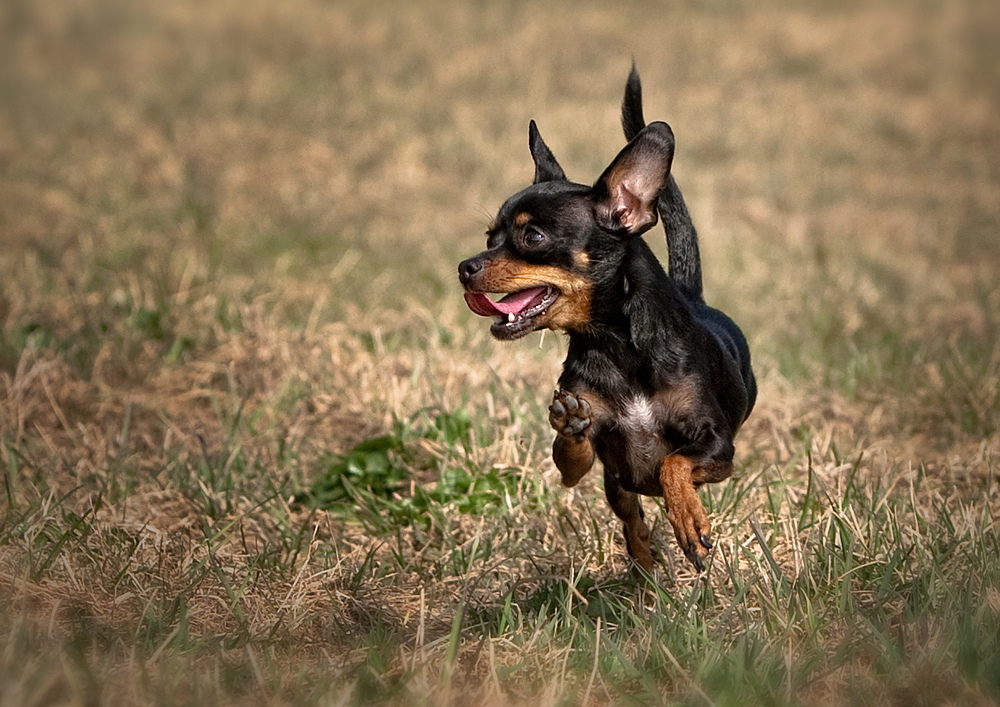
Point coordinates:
pixel 569 414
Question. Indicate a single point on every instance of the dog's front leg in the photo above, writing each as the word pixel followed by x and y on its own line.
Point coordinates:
pixel 571 415
pixel 678 475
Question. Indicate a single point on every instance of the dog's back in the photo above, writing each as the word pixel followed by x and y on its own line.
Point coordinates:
pixel 684 259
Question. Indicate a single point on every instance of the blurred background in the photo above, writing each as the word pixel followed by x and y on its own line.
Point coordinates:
pixel 840 160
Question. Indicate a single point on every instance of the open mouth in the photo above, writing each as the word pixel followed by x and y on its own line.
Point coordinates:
pixel 514 315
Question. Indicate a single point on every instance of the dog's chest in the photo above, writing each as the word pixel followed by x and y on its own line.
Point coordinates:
pixel 634 445
pixel 638 419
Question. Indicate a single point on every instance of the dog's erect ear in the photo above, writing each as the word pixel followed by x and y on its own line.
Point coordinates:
pixel 627 191
pixel 546 167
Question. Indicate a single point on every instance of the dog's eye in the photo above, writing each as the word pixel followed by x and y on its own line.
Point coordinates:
pixel 533 237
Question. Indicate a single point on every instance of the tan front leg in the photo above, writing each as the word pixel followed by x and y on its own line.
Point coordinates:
pixel 573 452
pixel 684 509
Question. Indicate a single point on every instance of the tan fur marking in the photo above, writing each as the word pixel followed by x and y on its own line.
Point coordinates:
pixel 574 456
pixel 679 400
pixel 637 543
pixel 522 218
pixel 684 509
pixel 570 312
pixel 581 259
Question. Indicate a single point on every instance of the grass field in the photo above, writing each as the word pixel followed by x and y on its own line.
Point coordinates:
pixel 255 450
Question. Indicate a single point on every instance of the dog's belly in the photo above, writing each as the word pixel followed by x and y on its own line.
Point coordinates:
pixel 633 449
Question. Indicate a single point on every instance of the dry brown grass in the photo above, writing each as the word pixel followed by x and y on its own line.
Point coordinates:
pixel 229 237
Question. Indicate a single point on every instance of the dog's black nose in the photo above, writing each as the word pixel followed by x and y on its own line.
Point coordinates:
pixel 468 268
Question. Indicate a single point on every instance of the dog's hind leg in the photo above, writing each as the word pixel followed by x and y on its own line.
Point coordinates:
pixel 628 507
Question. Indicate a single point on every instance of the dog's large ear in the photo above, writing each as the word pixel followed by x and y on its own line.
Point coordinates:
pixel 627 191
pixel 546 167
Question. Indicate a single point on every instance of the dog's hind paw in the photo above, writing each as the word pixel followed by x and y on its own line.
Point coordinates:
pixel 569 414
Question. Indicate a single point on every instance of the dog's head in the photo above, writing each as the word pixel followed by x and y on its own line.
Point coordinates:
pixel 550 242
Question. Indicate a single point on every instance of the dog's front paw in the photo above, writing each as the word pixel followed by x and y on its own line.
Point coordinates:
pixel 691 525
pixel 569 414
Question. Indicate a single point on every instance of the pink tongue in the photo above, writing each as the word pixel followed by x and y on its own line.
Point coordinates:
pixel 514 303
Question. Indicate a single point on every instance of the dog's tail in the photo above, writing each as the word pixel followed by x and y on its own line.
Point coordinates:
pixel 682 239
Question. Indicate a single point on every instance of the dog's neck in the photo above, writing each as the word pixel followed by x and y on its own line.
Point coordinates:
pixel 637 308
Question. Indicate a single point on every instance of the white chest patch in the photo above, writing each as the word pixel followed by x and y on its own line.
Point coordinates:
pixel 644 444
pixel 638 416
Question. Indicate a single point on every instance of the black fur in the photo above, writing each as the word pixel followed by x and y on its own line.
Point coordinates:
pixel 655 382
pixel 682 239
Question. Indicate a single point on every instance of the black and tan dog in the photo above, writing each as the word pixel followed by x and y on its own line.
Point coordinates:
pixel 656 383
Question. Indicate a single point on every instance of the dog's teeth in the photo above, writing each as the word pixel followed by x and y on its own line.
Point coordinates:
pixel 511 317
